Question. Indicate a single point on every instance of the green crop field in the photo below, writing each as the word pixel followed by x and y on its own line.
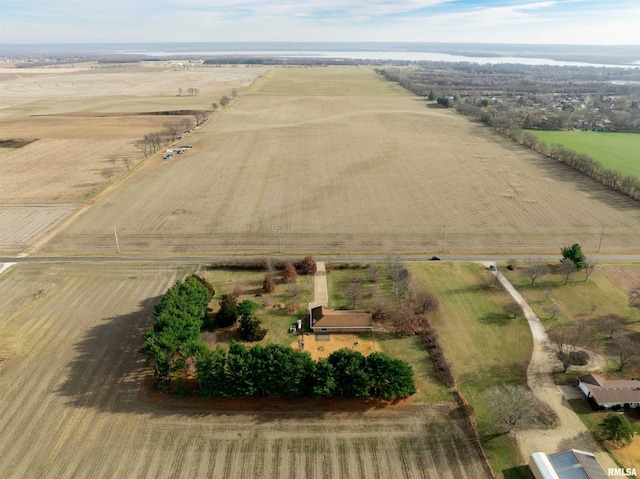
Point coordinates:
pixel 618 151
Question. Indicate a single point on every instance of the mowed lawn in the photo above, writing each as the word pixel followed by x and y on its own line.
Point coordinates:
pixel 409 349
pixel 484 346
pixel 618 151
pixel 373 170
pixel 591 302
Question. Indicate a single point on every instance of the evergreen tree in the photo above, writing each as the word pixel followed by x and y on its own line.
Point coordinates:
pixel 616 428
pixel 251 329
pixel 575 254
pixel 227 315
pixel 350 373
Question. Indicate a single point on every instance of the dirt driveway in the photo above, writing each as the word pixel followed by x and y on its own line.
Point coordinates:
pixel 571 433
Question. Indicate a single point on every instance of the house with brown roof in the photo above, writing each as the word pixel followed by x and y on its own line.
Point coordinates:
pixel 326 320
pixel 607 393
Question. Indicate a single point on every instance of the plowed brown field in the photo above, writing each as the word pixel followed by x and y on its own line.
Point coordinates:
pixel 72 402
pixel 362 173
pixel 21 225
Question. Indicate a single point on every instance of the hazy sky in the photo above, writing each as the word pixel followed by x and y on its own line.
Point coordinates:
pixel 481 21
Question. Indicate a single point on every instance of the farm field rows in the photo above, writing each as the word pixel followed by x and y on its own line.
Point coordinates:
pixel 618 151
pixel 91 87
pixel 367 173
pixel 85 121
pixel 73 402
pixel 21 225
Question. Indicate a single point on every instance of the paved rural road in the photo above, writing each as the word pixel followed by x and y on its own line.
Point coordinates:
pixel 572 433
pixel 359 258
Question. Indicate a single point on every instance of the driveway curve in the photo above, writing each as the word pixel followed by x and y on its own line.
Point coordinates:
pixel 571 433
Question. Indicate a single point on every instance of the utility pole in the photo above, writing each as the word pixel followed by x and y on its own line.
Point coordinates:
pixel 116 235
pixel 600 242
pixel 279 241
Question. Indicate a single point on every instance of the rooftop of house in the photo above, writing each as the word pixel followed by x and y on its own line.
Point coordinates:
pixel 323 317
pixel 611 390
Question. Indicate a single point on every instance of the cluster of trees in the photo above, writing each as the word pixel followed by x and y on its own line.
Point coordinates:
pixel 174 339
pixel 532 96
pixel 225 100
pixel 190 91
pixel 568 341
pixel 280 371
pixel 152 142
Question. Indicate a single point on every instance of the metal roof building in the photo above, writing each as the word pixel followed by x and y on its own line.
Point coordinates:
pixel 571 464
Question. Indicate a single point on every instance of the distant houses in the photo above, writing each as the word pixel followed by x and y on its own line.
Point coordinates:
pixel 606 393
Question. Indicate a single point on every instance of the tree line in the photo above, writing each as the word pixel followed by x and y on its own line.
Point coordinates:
pixel 174 340
pixel 173 130
pixel 176 352
pixel 626 184
pixel 280 371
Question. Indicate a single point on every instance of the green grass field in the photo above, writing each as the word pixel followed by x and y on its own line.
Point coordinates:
pixel 618 151
pixel 408 349
pixel 272 314
pixel 579 300
pixel 484 346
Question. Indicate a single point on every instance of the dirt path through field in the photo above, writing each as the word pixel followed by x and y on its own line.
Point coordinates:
pixel 572 433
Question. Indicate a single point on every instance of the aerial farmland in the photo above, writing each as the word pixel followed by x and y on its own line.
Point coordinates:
pixel 332 161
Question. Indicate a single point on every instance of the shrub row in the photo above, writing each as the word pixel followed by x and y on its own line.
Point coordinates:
pixel 441 366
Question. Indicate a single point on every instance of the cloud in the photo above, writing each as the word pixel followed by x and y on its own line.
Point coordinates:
pixel 495 21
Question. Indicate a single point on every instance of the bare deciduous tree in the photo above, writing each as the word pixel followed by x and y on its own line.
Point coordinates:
pixel 626 350
pixel 589 268
pixel 214 105
pixel 172 129
pixel 186 124
pixel 552 310
pixel 425 302
pixel 513 309
pixel 536 270
pixel 634 297
pixel 611 324
pixel 567 269
pixel 566 340
pixel 511 406
pixel 353 292
pixel 373 274
pixel 200 116
pixel 128 162
pixel 380 310
pixel 406 321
